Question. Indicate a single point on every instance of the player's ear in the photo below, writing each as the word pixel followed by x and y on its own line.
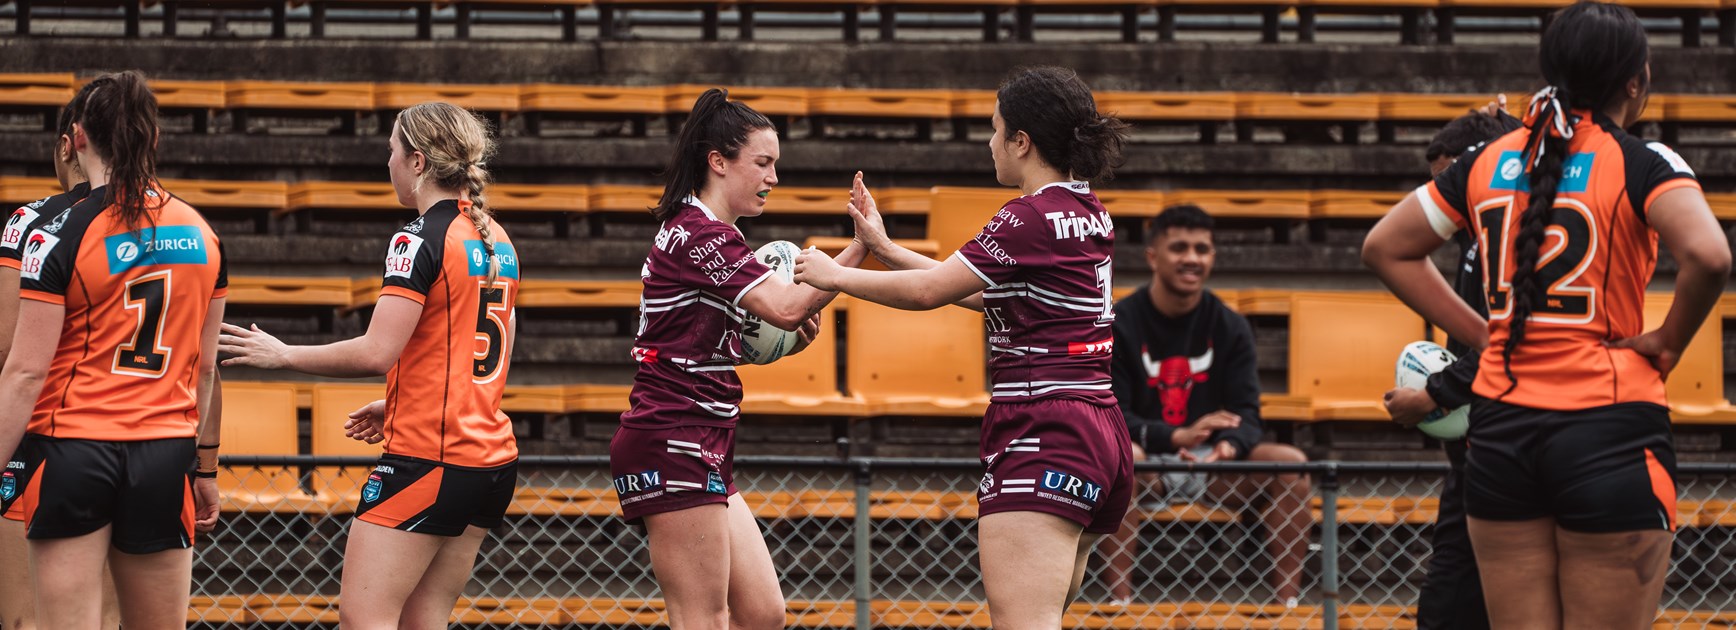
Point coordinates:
pixel 719 164
pixel 79 140
pixel 1021 144
pixel 418 162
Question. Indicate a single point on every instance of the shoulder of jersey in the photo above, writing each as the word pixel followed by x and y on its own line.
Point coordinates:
pixel 1657 150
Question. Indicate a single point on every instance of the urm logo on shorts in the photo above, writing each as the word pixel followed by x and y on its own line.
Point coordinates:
pixel 1510 173
pixel 371 491
pixel 162 245
pixel 1063 482
pixel 714 483
pixel 638 482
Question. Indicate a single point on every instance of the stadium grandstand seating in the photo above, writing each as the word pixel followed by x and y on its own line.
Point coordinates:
pixel 1296 146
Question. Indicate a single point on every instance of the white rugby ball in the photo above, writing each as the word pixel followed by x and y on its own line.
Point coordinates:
pixel 761 342
pixel 1415 364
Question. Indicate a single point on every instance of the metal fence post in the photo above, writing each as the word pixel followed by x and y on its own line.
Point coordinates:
pixel 863 551
pixel 1329 546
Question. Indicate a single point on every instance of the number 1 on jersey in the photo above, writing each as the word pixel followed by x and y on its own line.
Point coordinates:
pixel 145 355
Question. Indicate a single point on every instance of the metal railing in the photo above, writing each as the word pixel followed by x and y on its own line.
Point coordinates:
pixel 890 543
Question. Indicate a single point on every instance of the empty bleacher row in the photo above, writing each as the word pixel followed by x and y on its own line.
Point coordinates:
pixel 1692 14
pixel 347 102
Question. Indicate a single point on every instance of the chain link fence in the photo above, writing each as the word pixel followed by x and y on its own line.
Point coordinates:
pixel 890 543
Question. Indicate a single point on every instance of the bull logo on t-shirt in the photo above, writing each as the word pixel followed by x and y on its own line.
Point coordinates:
pixel 1174 379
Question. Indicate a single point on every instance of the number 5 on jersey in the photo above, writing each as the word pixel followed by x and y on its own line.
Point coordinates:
pixel 492 323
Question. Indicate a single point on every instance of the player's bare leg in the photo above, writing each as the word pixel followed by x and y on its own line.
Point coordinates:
pixel 1031 564
pixel 690 556
pixel 153 588
pixel 1519 566
pixel 756 601
pixel 65 571
pixel 430 605
pixel 1612 580
pixel 377 560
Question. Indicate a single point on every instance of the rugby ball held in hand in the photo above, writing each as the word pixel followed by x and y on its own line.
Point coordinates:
pixel 761 342
pixel 1415 364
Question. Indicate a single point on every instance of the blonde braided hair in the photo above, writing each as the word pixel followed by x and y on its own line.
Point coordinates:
pixel 457 144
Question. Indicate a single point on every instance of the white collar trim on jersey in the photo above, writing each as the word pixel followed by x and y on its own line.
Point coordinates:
pixel 1080 188
pixel 695 202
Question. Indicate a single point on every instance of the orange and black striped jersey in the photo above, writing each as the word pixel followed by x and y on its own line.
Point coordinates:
pixel 443 395
pixel 126 367
pixel 31 215
pixel 1595 262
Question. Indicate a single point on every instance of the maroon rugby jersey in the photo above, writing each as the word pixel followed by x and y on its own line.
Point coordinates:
pixel 690 320
pixel 1047 258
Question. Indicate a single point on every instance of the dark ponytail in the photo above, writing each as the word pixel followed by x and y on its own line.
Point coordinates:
pixel 1055 108
pixel 1588 54
pixel 120 123
pixel 716 124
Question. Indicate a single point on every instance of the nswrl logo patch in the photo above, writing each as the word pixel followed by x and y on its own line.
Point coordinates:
pixel 714 483
pixel 8 486
pixel 371 491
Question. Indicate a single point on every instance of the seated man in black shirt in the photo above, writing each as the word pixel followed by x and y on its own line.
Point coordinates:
pixel 1185 377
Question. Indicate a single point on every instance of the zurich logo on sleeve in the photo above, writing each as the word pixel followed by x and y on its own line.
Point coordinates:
pixel 1510 173
pixel 477 258
pixel 162 245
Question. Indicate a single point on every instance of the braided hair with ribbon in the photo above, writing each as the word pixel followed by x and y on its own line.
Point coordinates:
pixel 1589 54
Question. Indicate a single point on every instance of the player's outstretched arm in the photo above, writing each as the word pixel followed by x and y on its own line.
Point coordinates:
pixel 911 289
pixel 372 354
pixel 871 233
pixel 1398 249
pixel 33 345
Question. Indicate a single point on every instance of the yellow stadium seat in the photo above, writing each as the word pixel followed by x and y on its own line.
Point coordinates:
pixel 286 95
pixel 769 101
pixel 828 202
pixel 872 103
pixel 534 399
pixel 374 196
pixel 189 94
pixel 1169 106
pixel 290 290
pixel 592 99
pixel 1272 302
pixel 260 419
pixel 956 215
pixel 916 362
pixel 1352 204
pixel 903 200
pixel 1245 204
pixel 804 384
pixel 598 398
pixel 17 191
pixel 1342 348
pixel 1696 385
pixel 539 198
pixel 980 104
pixel 579 294
pixel 392 97
pixel 229 195
pixel 332 403
pixel 1307 107
pixel 1435 108
pixel 38 89
pixel 564 502
pixel 628 199
pixel 1131 203
pixel 1723 204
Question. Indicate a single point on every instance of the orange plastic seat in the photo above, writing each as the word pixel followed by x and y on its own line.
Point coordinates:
pixel 592 99
pixel 867 103
pixel 980 104
pixel 1435 108
pixel 1307 107
pixel 629 199
pixel 1696 386
pixel 1275 302
pixel 1168 106
pixel 482 98
pixel 375 196
pixel 534 399
pixel 1342 348
pixel 189 94
pixel 214 194
pixel 539 198
pixel 834 245
pixel 260 419
pixel 1245 204
pixel 1352 204
pixel 1723 204
pixel 290 290
pixel 287 95
pixel 598 398
pixel 1131 203
pixel 579 294
pixel 332 403
pixel 768 101
pixel 903 200
pixel 17 191
pixel 564 502
pixel 814 201
pixel 49 89
pixel 1699 108
pixel 803 384
pixel 923 363
pixel 956 215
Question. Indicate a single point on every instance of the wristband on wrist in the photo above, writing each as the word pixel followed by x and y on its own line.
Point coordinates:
pixel 204 474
